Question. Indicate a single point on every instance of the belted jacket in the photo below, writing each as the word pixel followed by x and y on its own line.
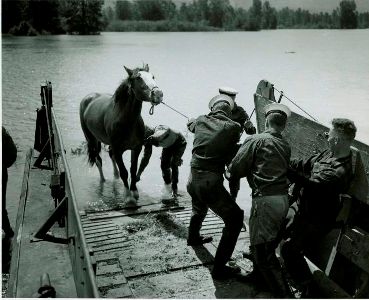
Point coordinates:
pixel 263 159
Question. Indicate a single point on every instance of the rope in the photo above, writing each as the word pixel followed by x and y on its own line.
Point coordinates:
pixel 283 95
pixel 151 111
pixel 176 110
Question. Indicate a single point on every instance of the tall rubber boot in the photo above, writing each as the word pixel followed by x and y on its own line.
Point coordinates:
pixel 268 264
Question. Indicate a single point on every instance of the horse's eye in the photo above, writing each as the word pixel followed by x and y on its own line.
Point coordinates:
pixel 153 77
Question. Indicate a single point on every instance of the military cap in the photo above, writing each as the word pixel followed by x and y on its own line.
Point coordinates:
pixel 228 91
pixel 221 98
pixel 277 108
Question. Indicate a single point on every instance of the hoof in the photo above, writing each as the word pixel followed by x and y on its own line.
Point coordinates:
pixel 131 202
pixel 116 175
pixel 126 193
pixel 102 180
pixel 135 194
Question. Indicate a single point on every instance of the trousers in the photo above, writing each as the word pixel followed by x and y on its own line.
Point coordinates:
pixel 207 191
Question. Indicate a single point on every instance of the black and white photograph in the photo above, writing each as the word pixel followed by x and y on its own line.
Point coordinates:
pixel 188 149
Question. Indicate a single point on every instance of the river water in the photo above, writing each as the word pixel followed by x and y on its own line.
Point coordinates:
pixel 325 71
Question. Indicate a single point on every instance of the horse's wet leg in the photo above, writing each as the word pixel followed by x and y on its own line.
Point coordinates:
pixel 124 176
pixel 99 166
pixel 115 168
pixel 134 161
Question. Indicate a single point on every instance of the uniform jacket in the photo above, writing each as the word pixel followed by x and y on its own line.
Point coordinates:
pixel 263 158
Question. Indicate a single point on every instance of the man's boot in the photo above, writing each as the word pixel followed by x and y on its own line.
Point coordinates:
pixel 194 237
pixel 269 266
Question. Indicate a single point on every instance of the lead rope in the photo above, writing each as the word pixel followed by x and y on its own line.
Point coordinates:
pixel 151 112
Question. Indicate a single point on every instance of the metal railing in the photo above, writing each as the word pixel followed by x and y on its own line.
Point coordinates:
pixel 82 262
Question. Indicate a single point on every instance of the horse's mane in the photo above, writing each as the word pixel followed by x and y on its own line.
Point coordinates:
pixel 124 91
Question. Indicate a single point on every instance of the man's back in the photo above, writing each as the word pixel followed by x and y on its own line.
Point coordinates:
pixel 263 159
pixel 215 137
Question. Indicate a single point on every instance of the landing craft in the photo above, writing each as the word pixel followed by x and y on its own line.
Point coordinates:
pixel 142 252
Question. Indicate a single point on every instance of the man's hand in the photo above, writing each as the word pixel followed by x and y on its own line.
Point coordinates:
pixel 227 174
pixel 249 127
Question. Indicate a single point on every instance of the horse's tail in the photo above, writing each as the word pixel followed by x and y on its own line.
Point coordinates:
pixel 92 152
pixel 93 145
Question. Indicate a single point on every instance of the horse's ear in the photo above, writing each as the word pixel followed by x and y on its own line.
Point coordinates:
pixel 129 71
pixel 146 67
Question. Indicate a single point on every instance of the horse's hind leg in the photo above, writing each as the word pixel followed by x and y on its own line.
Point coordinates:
pixel 115 168
pixel 134 161
pixel 93 149
pixel 98 163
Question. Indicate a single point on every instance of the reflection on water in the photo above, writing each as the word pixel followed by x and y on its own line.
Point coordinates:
pixel 106 196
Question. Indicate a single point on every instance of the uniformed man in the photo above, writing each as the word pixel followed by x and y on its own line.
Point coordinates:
pixel 240 116
pixel 323 177
pixel 9 155
pixel 263 159
pixel 216 136
pixel 174 145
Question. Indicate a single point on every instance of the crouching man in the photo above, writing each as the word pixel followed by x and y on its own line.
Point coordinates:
pixel 174 145
pixel 215 137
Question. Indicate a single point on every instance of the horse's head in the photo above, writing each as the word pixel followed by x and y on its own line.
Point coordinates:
pixel 144 85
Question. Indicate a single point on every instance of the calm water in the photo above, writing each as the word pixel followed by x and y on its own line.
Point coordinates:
pixel 325 72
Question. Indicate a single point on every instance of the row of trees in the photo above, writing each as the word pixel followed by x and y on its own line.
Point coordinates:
pixel 221 14
pixel 28 17
pixel 31 17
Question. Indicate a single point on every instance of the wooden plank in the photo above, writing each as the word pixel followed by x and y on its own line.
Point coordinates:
pixel 103 234
pixel 107 269
pixel 327 287
pixel 109 242
pixel 95 228
pixel 354 246
pixel 153 209
pixel 112 279
pixel 104 230
pixel 112 246
pixel 93 239
pixel 107 256
pixel 120 292
pixel 89 224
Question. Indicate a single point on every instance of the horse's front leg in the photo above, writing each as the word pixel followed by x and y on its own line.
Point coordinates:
pixel 134 162
pixel 122 170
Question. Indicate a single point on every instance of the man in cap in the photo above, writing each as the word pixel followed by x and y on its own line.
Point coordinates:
pixel 322 177
pixel 174 145
pixel 263 159
pixel 240 116
pixel 216 137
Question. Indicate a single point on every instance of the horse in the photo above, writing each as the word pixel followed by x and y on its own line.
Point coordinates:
pixel 115 120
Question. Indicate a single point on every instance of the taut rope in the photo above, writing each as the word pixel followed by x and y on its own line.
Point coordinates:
pixel 283 95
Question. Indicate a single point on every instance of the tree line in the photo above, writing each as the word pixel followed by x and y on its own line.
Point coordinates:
pixel 30 17
pixel 220 14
